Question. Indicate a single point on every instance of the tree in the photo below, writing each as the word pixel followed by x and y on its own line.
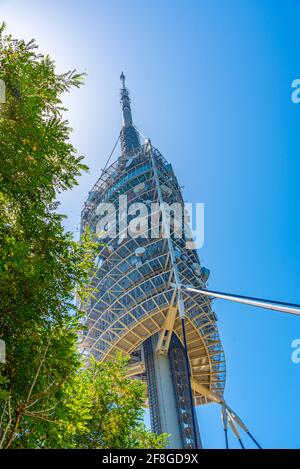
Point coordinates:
pixel 41 266
pixel 99 408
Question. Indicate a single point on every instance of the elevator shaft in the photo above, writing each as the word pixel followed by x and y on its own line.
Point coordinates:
pixel 168 393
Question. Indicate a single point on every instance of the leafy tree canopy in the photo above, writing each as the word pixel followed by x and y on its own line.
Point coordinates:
pixel 47 399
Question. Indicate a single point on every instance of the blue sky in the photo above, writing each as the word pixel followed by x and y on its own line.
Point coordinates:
pixel 211 85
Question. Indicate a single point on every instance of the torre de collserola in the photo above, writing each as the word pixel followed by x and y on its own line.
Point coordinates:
pixel 139 308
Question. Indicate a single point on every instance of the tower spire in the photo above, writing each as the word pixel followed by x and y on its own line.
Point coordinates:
pixel 129 136
pixel 122 78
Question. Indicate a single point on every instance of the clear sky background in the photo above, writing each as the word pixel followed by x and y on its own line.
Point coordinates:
pixel 211 85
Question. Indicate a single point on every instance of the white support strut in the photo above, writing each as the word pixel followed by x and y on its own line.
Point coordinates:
pixel 266 304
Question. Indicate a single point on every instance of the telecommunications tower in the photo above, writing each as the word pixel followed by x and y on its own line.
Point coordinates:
pixel 139 307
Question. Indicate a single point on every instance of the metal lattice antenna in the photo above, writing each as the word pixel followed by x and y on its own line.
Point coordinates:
pixel 129 136
pixel 122 78
pixel 125 103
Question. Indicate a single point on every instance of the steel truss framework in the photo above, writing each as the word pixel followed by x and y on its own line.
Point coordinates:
pixel 134 295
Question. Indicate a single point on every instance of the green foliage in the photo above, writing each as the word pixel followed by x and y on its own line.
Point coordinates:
pixel 104 409
pixel 46 399
pixel 99 408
